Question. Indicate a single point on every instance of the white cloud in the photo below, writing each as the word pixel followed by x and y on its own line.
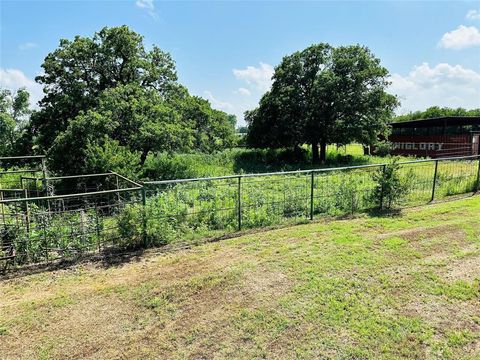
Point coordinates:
pixel 442 85
pixel 218 104
pixel 461 38
pixel 27 46
pixel 147 5
pixel 473 15
pixel 244 91
pixel 14 79
pixel 259 77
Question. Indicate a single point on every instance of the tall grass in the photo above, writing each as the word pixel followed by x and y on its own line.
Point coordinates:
pixel 164 166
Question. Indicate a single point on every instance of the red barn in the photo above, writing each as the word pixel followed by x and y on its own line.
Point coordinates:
pixel 437 137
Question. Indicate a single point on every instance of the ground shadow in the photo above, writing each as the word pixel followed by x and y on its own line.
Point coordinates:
pixel 274 160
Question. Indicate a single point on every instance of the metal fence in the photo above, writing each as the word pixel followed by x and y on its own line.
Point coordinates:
pixel 13 169
pixel 110 211
pixel 229 203
pixel 48 222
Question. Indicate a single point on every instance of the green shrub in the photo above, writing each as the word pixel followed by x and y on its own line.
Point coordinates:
pixel 154 224
pixel 168 167
pixel 131 227
pixel 111 156
pixel 390 188
pixel 383 148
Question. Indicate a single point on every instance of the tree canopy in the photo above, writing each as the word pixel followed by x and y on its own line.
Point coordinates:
pixel 436 111
pixel 323 95
pixel 109 91
pixel 14 112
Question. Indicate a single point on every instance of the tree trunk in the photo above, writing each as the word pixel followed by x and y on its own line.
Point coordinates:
pixel 366 150
pixel 323 151
pixel 143 156
pixel 297 152
pixel 314 152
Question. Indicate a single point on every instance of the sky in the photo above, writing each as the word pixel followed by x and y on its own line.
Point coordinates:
pixel 226 51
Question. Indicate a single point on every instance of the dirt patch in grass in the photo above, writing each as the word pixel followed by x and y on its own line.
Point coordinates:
pixel 442 313
pixel 447 317
pixel 81 330
pixel 436 245
pixel 466 268
pixel 416 234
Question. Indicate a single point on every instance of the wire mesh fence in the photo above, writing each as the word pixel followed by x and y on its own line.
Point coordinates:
pixel 12 171
pixel 44 229
pixel 245 201
pixel 43 225
pixel 109 211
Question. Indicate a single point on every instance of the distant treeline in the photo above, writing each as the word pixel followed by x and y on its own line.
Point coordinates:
pixel 436 111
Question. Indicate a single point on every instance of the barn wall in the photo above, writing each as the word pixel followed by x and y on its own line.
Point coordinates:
pixel 434 145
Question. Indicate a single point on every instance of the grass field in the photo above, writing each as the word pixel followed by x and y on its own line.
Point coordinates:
pixel 165 166
pixel 400 287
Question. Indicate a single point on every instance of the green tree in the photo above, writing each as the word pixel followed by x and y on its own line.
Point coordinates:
pixel 14 117
pixel 242 130
pixel 79 71
pixel 213 129
pixel 363 108
pixel 323 95
pixel 390 187
pixel 108 91
pixel 268 125
pixel 133 117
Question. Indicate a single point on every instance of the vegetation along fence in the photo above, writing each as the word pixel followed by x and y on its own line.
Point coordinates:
pixel 109 211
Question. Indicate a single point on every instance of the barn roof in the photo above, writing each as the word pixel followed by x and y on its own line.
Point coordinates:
pixel 439 121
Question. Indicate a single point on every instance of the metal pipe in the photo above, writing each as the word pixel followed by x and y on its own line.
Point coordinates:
pixel 384 169
pixel 22 157
pixel 79 176
pixel 478 177
pixel 126 179
pixel 239 203
pixel 69 196
pixel 312 185
pixel 3 207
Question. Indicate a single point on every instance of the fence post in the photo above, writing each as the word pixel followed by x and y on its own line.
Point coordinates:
pixel 144 215
pixel 434 181
pixel 45 238
pixel 3 207
pixel 477 188
pixel 27 213
pixel 118 187
pixel 97 228
pixel 312 186
pixel 44 177
pixel 239 203
pixel 382 190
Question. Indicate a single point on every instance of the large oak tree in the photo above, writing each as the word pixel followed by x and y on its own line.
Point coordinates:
pixel 109 92
pixel 323 95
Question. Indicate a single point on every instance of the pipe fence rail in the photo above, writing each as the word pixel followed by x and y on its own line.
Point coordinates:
pixel 50 218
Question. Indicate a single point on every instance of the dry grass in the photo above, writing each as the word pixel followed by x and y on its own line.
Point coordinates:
pixel 370 287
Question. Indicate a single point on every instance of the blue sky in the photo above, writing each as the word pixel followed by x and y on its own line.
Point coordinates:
pixel 225 51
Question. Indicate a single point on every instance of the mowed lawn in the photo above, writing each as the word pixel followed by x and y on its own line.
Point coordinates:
pixel 401 287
